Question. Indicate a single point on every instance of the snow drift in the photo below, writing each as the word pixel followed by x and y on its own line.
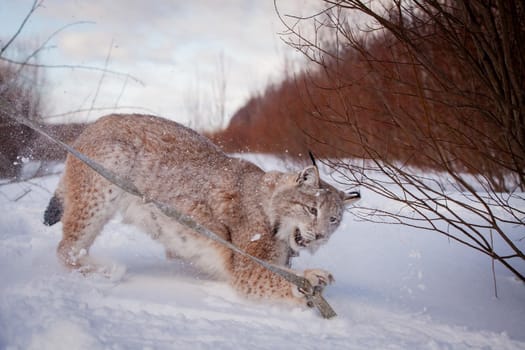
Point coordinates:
pixel 396 288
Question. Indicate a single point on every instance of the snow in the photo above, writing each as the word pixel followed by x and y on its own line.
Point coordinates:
pixel 255 237
pixel 396 288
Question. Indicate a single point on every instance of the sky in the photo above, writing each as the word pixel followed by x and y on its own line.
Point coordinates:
pixel 195 62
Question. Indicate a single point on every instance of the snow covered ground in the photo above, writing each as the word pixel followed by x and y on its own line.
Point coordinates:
pixel 396 288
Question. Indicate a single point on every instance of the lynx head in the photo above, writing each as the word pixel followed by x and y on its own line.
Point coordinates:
pixel 306 210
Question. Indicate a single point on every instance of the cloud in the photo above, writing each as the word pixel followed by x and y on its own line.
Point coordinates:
pixel 171 45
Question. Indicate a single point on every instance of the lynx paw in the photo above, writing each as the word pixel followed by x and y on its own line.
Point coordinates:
pixel 319 279
pixel 107 269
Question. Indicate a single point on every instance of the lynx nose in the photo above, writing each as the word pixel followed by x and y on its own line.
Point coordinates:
pixel 319 236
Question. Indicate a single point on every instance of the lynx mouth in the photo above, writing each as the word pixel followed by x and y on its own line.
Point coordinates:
pixel 298 238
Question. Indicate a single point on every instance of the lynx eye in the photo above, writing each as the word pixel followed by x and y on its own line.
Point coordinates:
pixel 333 219
pixel 313 210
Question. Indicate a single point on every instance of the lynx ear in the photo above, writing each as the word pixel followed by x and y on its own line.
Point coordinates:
pixel 309 176
pixel 351 197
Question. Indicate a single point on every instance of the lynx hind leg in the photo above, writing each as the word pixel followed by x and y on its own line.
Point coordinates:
pixel 87 210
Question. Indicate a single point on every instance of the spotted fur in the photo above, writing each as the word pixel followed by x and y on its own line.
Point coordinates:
pixel 271 215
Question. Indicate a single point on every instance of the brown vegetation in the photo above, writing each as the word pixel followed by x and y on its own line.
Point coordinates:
pixel 436 84
pixel 18 94
pixel 425 102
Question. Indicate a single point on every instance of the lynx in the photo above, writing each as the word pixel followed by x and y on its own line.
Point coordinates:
pixel 271 215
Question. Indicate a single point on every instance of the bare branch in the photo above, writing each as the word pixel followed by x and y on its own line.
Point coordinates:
pixel 429 84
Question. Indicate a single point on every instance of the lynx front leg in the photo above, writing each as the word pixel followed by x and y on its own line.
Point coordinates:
pixel 256 281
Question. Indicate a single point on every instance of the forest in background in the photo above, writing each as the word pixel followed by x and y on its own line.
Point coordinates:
pixel 416 87
pixel 449 96
pixel 443 90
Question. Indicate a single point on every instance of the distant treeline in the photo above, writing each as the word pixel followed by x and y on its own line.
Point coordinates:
pixel 437 103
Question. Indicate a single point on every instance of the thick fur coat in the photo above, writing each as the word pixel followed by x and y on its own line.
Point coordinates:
pixel 271 215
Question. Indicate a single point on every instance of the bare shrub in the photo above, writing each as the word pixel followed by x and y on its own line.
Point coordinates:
pixel 440 84
pixel 17 92
pixel 409 88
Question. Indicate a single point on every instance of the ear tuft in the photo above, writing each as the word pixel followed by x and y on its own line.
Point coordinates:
pixel 309 176
pixel 351 197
